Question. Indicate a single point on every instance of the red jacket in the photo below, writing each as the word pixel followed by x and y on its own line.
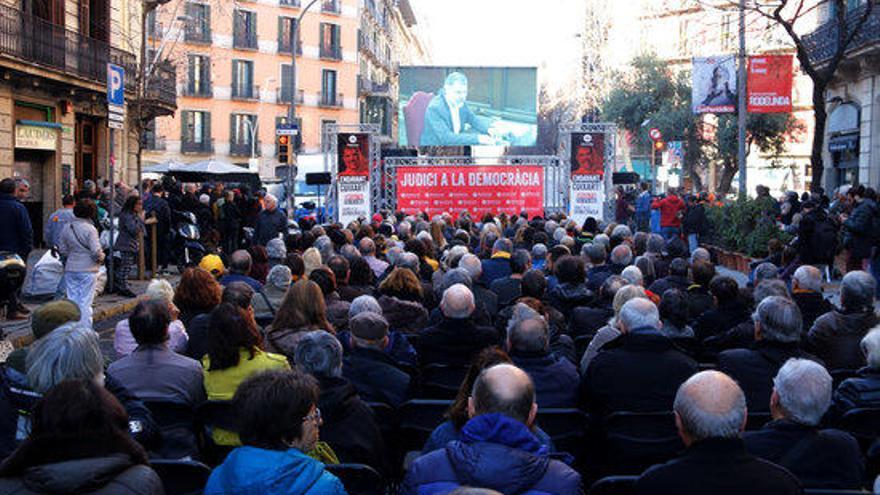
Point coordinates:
pixel 669 208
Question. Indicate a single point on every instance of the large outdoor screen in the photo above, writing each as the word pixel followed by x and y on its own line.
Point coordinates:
pixel 468 106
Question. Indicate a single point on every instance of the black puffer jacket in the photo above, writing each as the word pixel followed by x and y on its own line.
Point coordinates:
pixel 403 316
pixel 565 297
pixel 860 391
pixel 349 426
pixel 837 335
pixel 111 475
pixel 860 234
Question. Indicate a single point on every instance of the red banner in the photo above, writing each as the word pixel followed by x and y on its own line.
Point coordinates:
pixel 479 190
pixel 769 83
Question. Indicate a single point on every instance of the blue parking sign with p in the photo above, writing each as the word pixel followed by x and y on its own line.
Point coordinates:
pixel 115 85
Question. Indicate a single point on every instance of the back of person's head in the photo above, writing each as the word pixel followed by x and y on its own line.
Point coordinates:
pixel 75 419
pixel 674 308
pixel 539 251
pixel 472 264
pixel 709 404
pixel 239 294
pixel 361 274
pixel 275 249
pixel 520 261
pixel 801 391
pixel 655 244
pixel 857 291
pixel 633 275
pixel 51 315
pixel 778 319
pixel 455 276
pixel 610 286
pixel 212 264
pixel 807 277
pixel 302 307
pixel 595 253
pixel 279 277
pixel 7 186
pixel 340 268
pixel 504 389
pixel 70 352
pixel 871 347
pixel 625 294
pixel 230 330
pixel 272 407
pixel 325 279
pixel 570 270
pixel 363 304
pixel 703 272
pixel 311 260
pixel 769 288
pixel 531 335
pixel 160 290
pixel 621 255
pixel 240 262
pixel 197 291
pixel 724 289
pixel 638 313
pixel 457 302
pixel 402 283
pixel 534 284
pixel 409 261
pixel 678 267
pixel 294 262
pixel 701 255
pixel 502 245
pixel 369 329
pixel 766 271
pixel 319 354
pixel 85 208
pixel 149 322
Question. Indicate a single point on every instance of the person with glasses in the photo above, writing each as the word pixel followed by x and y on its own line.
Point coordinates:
pixel 279 423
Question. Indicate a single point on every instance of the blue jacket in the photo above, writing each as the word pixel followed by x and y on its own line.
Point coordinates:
pixel 495 452
pixel 556 379
pixel 495 268
pixel 447 432
pixel 18 235
pixel 438 129
pixel 252 471
pixel 643 204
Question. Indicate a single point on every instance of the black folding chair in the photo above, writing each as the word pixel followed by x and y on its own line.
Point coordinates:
pixel 440 381
pixel 841 374
pixel 635 441
pixel 181 477
pixel 358 479
pixel 614 485
pixel 863 423
pixel 565 426
pixel 581 342
pixel 757 420
pixel 211 415
pixel 418 418
pixel 177 429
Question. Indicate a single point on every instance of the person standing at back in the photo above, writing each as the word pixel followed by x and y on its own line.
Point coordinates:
pixel 671 211
pixel 18 238
pixel 79 246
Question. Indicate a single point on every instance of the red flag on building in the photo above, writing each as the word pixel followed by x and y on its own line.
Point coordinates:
pixel 769 83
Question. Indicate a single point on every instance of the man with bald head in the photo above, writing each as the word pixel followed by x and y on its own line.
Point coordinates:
pixel 528 343
pixel 457 338
pixel 710 413
pixel 239 267
pixel 641 370
pixel 510 459
pixel 806 292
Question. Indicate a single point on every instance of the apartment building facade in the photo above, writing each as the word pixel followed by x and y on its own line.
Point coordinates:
pixel 852 132
pixel 53 111
pixel 234 81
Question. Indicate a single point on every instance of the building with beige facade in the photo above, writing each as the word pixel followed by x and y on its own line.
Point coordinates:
pixel 53 105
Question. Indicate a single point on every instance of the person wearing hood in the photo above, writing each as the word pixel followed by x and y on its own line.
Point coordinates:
pixel 79 444
pixel 836 335
pixel 279 422
pixel 497 449
pixel 571 291
pixel 267 301
pixel 349 426
pixel 457 338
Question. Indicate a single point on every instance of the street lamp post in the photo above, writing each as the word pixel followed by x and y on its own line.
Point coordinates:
pixel 291 112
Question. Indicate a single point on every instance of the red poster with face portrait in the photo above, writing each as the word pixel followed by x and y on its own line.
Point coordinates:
pixel 353 154
pixel 588 153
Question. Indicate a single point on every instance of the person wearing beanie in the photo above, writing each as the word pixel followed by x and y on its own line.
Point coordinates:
pixel 212 264
pixel 45 318
pixel 376 375
pixel 266 302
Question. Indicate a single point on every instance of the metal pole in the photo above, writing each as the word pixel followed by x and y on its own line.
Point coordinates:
pixel 112 176
pixel 741 93
pixel 291 112
pixel 653 171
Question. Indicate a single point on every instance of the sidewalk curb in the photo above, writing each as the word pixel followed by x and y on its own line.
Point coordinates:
pixel 115 309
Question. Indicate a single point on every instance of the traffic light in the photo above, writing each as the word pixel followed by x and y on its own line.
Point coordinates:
pixel 659 146
pixel 283 147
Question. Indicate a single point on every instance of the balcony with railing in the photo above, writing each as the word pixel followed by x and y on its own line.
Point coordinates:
pixel 204 146
pixel 366 86
pixel 245 92
pixel 282 95
pixel 331 7
pixel 197 33
pixel 822 44
pixel 203 90
pixel 289 3
pixel 284 46
pixel 244 148
pixel 331 52
pixel 43 44
pixel 160 93
pixel 245 41
pixel 330 100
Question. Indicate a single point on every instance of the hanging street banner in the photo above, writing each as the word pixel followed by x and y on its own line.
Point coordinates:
pixel 714 84
pixel 769 83
pixel 353 176
pixel 587 185
pixel 477 189
pixel 674 154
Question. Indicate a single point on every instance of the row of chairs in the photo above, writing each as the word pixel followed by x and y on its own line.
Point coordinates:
pixel 625 485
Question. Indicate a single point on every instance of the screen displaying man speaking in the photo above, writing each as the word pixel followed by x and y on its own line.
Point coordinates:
pixel 441 106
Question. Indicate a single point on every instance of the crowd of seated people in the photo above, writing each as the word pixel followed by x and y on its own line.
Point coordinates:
pixel 498 330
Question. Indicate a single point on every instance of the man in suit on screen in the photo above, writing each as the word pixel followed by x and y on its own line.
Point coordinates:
pixel 450 122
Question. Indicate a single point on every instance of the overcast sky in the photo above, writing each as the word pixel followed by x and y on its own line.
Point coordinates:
pixel 504 32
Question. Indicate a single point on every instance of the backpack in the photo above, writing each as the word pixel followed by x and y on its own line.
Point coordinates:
pixel 824 240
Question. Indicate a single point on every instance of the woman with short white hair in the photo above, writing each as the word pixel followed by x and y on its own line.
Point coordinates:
pixel 157 290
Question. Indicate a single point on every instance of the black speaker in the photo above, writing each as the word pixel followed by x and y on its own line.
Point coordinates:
pixel 624 178
pixel 318 179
